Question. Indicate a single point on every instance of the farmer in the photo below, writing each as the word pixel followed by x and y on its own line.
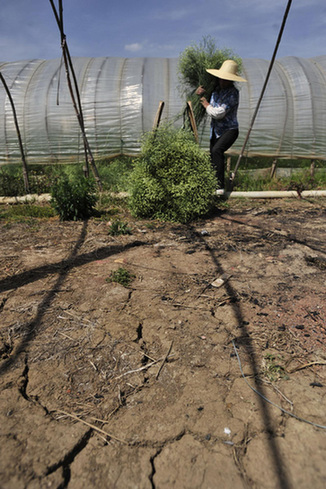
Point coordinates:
pixel 222 108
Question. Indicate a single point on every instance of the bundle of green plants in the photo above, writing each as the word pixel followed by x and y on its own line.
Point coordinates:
pixel 192 65
pixel 74 199
pixel 173 179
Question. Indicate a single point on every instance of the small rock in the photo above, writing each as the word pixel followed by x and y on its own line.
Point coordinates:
pixel 299 326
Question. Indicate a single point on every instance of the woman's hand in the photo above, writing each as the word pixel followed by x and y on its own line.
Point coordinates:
pixel 204 102
pixel 200 90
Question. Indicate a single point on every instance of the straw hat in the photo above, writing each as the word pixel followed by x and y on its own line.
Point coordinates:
pixel 228 71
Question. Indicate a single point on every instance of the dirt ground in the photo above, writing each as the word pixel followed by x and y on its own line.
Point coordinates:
pixel 207 371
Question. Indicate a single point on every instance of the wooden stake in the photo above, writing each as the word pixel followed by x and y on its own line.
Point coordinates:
pixel 312 168
pixel 158 116
pixel 273 169
pixel 25 168
pixel 192 120
pixel 228 165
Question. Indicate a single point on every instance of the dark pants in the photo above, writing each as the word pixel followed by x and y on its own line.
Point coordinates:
pixel 218 146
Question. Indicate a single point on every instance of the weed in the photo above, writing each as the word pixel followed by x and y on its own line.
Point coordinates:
pixel 273 370
pixel 74 199
pixel 119 227
pixel 121 276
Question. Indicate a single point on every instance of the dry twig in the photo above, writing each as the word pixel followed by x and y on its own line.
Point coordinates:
pixel 306 365
pixel 164 360
pixel 73 416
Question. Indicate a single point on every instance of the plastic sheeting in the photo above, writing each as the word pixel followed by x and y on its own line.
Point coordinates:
pixel 120 98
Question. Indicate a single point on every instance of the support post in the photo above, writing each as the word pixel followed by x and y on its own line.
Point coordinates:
pixel 25 168
pixel 158 115
pixel 312 168
pixel 192 120
pixel 228 165
pixel 273 168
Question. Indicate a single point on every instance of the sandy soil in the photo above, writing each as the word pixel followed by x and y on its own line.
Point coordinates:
pixel 208 371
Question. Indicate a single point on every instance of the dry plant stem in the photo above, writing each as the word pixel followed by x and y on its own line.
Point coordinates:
pixel 306 365
pixel 279 392
pixel 65 336
pixel 164 360
pixel 92 426
pixel 138 369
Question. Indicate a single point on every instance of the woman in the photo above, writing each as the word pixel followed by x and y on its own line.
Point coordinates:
pixel 222 108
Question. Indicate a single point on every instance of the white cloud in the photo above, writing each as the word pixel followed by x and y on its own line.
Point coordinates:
pixel 174 15
pixel 134 47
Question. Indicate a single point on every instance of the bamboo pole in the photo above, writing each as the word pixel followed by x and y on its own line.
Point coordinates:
pixel 25 168
pixel 262 93
pixel 75 99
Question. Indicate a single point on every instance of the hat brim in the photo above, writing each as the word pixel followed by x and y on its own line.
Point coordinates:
pixel 226 76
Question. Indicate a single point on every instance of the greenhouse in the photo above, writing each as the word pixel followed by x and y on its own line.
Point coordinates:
pixel 120 98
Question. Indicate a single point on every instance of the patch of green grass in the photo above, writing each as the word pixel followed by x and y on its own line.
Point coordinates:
pixel 121 276
pixel 301 180
pixel 32 210
pixel 26 212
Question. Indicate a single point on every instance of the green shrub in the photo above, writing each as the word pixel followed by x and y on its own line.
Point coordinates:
pixel 115 173
pixel 173 179
pixel 74 199
pixel 11 182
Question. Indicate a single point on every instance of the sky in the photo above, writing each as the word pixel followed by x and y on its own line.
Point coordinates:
pixel 163 29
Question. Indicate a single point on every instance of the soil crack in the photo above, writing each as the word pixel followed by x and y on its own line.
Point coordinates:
pixel 23 381
pixel 69 458
pixel 152 461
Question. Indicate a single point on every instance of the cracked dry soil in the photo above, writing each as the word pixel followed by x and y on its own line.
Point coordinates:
pixel 151 385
